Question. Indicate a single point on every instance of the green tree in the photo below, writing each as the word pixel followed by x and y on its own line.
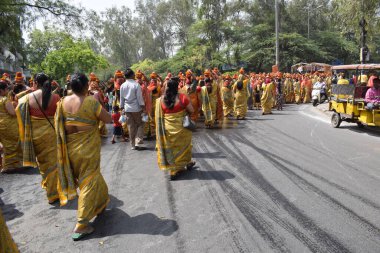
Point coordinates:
pixel 41 44
pixel 16 15
pixel 72 56
pixel 157 15
pixel 119 36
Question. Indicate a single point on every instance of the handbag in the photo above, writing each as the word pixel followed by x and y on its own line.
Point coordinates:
pixel 187 122
pixel 122 119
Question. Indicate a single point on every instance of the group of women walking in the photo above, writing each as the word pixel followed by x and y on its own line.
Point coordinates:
pixel 72 123
pixel 38 117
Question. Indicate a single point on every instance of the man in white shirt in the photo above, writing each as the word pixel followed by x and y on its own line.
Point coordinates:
pixel 131 100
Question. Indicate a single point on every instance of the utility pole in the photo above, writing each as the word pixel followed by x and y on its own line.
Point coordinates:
pixel 277 31
pixel 364 51
pixel 308 22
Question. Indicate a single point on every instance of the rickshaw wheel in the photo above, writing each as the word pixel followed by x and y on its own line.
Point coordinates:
pixel 336 120
pixel 360 125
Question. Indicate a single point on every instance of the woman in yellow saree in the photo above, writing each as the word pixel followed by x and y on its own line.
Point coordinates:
pixel 268 97
pixel 173 140
pixel 8 132
pixel 78 141
pixel 241 97
pixel 7 245
pixel 227 97
pixel 35 115
pixel 209 102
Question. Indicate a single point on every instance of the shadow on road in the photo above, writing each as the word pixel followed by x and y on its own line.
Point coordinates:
pixel 25 171
pixel 73 204
pixel 214 155
pixel 372 131
pixel 9 211
pixel 116 222
pixel 194 174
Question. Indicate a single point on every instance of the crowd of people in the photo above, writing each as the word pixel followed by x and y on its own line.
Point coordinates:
pixel 75 117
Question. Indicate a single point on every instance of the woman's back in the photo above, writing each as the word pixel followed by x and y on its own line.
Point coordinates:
pixel 80 113
pixel 35 109
pixel 180 104
pixel 83 107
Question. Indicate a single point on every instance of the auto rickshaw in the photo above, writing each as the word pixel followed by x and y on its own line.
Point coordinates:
pixel 348 102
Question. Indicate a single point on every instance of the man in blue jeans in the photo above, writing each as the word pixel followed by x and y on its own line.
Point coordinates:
pixel 131 100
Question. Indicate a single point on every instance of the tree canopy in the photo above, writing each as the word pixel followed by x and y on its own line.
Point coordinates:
pixel 172 35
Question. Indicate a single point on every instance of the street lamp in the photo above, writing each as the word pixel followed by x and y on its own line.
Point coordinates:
pixel 308 19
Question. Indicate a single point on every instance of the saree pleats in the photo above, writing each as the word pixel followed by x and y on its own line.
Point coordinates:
pixel 307 97
pixel 241 97
pixel 7 245
pixel 9 137
pixel 84 155
pixel 38 151
pixel 228 101
pixel 267 98
pixel 207 107
pixel 214 98
pixel 173 140
pixel 46 155
pixel 79 161
pixel 297 92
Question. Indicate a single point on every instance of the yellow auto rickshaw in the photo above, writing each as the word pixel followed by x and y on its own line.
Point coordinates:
pixel 347 99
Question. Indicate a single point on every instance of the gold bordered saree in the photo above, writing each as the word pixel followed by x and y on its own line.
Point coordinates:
pixel 37 138
pixel 173 140
pixel 79 160
pixel 9 138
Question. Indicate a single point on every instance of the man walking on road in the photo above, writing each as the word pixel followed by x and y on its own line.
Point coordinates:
pixel 131 100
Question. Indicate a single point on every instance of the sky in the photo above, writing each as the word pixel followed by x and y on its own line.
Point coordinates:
pixel 96 5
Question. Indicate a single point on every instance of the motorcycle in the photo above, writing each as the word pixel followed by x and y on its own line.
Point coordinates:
pixel 319 93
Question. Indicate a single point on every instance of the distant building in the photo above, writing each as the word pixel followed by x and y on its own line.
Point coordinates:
pixel 12 63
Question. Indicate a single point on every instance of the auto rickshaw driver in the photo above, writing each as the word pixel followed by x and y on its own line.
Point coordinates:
pixel 372 97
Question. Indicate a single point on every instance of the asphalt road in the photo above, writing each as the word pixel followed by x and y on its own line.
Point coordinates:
pixel 286 182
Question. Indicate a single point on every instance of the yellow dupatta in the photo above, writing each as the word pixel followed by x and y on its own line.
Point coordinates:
pixel 206 105
pixel 66 183
pixel 25 132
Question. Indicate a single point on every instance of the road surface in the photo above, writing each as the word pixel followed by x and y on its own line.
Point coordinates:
pixel 286 182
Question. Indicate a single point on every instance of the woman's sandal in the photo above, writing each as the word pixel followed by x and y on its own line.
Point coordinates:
pixel 79 236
